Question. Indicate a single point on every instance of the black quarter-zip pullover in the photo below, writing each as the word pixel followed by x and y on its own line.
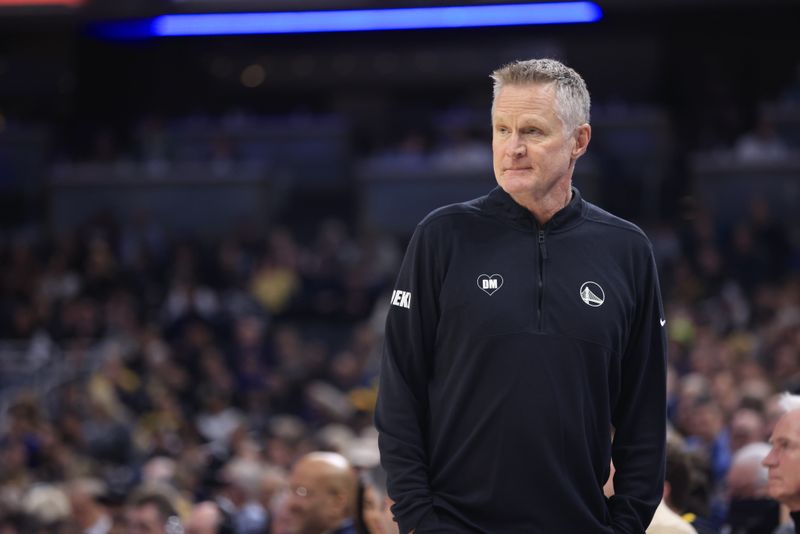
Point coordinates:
pixel 511 350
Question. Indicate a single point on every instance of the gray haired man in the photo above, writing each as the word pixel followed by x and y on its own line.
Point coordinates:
pixel 783 461
pixel 530 325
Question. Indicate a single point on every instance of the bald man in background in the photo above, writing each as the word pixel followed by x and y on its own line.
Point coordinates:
pixel 322 495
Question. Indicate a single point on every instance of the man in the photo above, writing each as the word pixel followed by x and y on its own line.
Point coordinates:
pixel 747 426
pixel 322 495
pixel 151 511
pixel 667 519
pixel 783 460
pixel 749 507
pixel 208 517
pixel 88 515
pixel 271 486
pixel 747 477
pixel 376 513
pixel 240 479
pixel 524 325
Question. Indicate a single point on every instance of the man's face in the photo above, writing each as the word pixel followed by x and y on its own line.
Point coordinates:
pixel 372 510
pixel 203 519
pixel 312 504
pixel 532 151
pixel 144 519
pixel 783 461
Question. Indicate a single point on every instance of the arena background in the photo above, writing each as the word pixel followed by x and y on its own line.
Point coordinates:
pixel 200 234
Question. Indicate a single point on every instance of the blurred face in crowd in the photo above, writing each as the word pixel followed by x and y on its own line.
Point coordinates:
pixel 319 499
pixel 377 513
pixel 372 508
pixel 706 421
pixel 204 519
pixel 145 519
pixel 747 426
pixel 783 461
pixel 532 149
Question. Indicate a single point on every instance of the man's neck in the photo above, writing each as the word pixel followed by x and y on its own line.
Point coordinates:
pixel 545 206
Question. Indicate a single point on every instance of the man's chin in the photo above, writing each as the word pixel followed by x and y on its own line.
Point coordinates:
pixel 519 183
pixel 294 526
pixel 518 178
pixel 774 490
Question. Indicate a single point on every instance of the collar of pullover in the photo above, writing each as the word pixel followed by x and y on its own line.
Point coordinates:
pixel 502 204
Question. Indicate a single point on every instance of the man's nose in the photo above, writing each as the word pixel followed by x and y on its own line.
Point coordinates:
pixel 516 149
pixel 769 459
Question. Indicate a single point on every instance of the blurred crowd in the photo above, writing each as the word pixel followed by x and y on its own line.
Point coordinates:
pixel 205 367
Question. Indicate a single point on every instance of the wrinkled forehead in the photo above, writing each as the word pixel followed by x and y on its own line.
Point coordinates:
pixel 536 99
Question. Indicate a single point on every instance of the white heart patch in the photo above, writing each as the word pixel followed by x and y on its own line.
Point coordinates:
pixel 490 283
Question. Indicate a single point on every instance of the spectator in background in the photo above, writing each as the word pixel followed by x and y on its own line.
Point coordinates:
pixel 209 517
pixel 710 437
pixel 88 514
pixel 783 460
pixel 219 419
pixel 322 494
pixel 677 480
pixel 273 483
pixel 750 511
pixel 747 426
pixel 374 515
pixel 46 510
pixel 698 498
pixel 240 483
pixel 151 510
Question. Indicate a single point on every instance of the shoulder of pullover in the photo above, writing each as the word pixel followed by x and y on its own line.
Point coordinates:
pixel 470 207
pixel 597 215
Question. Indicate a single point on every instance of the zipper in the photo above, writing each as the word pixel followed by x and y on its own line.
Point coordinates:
pixel 542 258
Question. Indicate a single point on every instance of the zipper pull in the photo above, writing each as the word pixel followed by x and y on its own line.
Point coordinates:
pixel 542 246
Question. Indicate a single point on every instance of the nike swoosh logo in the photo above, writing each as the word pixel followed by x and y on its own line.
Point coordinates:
pixel 663 321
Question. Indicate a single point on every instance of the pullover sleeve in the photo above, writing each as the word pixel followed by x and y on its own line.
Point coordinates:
pixel 639 417
pixel 402 406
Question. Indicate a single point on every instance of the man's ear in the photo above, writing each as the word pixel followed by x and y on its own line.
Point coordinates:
pixel 583 134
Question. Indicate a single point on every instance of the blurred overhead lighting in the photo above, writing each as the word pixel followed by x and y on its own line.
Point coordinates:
pixel 356 20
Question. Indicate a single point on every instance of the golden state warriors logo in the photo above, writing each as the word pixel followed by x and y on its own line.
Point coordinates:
pixel 592 294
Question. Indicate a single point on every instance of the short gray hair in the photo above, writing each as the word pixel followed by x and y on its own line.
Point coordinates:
pixel 789 402
pixel 573 103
